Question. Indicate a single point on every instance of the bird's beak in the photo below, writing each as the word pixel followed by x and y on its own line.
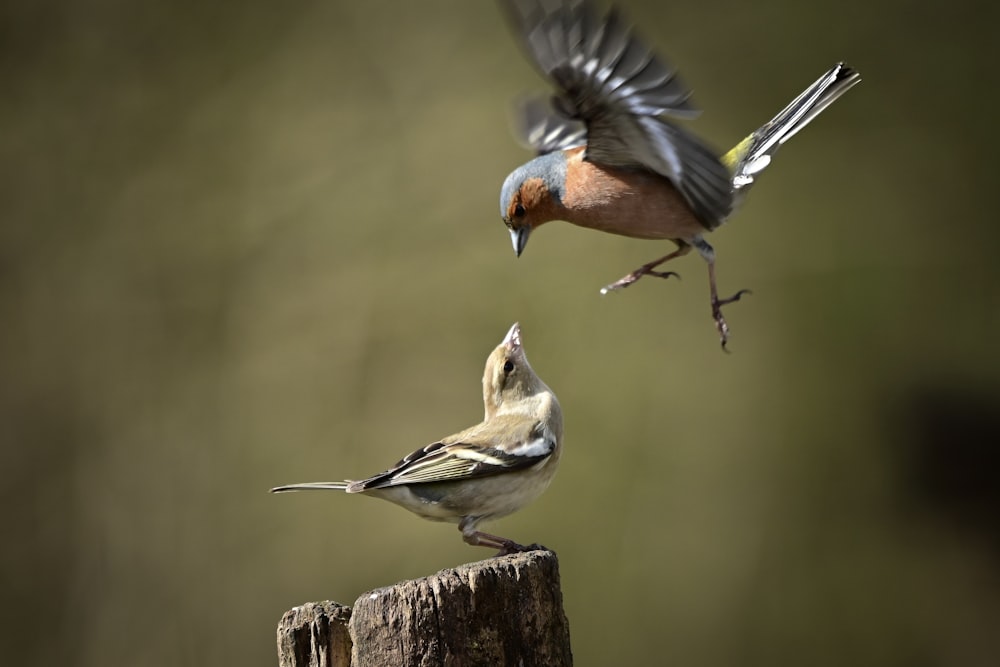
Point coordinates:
pixel 519 239
pixel 513 337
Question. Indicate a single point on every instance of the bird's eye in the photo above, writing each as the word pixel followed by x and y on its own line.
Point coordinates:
pixel 518 211
pixel 508 366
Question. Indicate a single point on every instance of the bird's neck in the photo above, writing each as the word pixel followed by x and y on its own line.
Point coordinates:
pixel 540 405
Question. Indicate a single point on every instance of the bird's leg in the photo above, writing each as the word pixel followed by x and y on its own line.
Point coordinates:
pixel 647 269
pixel 720 322
pixel 480 539
pixel 505 547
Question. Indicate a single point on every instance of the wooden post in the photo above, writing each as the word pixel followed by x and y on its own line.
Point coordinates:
pixel 501 611
pixel 315 635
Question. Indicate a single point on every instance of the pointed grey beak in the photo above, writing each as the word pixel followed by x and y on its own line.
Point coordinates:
pixel 519 239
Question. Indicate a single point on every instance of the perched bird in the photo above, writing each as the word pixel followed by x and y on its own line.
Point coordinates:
pixel 484 472
pixel 609 159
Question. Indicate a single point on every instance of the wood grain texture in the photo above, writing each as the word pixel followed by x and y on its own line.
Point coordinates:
pixel 501 611
pixel 315 635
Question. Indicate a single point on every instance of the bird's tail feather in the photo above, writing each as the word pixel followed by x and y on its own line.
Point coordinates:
pixel 753 154
pixel 312 486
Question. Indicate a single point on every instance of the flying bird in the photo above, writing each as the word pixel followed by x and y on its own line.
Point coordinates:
pixel 610 156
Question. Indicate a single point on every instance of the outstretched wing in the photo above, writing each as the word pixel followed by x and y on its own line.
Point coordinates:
pixel 537 126
pixel 620 90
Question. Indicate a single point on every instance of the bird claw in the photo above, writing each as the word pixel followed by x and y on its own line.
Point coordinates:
pixel 511 547
pixel 720 321
pixel 736 297
pixel 634 276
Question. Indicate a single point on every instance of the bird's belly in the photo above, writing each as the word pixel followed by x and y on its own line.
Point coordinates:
pixel 497 497
pixel 634 203
pixel 492 496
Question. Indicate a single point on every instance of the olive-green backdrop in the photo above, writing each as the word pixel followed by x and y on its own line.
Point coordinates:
pixel 252 243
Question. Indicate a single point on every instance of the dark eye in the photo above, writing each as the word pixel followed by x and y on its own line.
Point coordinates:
pixel 518 211
pixel 508 366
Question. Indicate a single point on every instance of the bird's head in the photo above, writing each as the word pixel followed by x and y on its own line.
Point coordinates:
pixel 532 195
pixel 508 377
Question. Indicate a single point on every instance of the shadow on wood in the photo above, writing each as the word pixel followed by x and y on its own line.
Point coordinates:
pixel 501 611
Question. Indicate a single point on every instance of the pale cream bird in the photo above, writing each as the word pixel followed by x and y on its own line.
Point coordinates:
pixel 484 472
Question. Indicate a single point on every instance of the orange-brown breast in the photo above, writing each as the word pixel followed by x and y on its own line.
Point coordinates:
pixel 630 202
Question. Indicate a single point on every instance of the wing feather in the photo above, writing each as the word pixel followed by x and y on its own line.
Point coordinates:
pixel 622 92
pixel 441 462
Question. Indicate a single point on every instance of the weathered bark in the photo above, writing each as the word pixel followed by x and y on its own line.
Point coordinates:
pixel 501 611
pixel 315 635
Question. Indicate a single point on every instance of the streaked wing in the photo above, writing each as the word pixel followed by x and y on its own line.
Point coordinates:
pixel 609 80
pixel 539 127
pixel 442 462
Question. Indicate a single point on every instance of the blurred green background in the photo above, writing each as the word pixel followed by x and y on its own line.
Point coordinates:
pixel 252 243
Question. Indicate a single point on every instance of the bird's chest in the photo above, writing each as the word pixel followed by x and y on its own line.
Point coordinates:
pixel 630 202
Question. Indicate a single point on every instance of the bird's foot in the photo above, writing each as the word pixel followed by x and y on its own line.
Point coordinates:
pixel 511 547
pixel 506 546
pixel 645 270
pixel 720 321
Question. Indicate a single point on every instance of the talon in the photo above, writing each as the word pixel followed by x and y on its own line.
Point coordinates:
pixel 520 548
pixel 682 249
pixel 618 284
pixel 736 297
pixel 510 547
pixel 723 329
pixel 720 322
pixel 623 282
pixel 634 276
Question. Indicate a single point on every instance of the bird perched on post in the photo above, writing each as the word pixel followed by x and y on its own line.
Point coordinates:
pixel 609 159
pixel 484 472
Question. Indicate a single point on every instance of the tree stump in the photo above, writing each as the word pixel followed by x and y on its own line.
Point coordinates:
pixel 501 611
pixel 315 635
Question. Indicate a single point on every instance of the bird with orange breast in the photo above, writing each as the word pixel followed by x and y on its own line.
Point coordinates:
pixel 610 158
